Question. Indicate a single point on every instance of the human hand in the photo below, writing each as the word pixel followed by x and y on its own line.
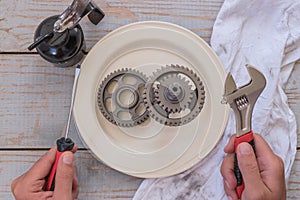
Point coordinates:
pixel 263 175
pixel 29 186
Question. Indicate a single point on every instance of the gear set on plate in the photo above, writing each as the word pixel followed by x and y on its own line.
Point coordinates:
pixel 174 95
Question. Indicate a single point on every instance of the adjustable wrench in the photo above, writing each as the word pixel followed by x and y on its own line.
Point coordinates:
pixel 242 102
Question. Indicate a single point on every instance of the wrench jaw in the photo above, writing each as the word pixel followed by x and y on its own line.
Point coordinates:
pixel 230 86
pixel 243 99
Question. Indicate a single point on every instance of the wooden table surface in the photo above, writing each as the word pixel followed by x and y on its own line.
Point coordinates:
pixel 35 95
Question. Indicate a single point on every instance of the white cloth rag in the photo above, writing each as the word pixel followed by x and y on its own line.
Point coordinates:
pixel 265 34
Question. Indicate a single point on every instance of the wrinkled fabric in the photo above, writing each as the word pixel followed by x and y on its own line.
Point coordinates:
pixel 265 34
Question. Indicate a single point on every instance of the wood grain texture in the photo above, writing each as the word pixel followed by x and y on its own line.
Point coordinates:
pixel 35 100
pixel 35 96
pixel 293 192
pixel 19 19
pixel 96 180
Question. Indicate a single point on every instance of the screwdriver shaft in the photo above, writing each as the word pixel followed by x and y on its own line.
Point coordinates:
pixel 77 71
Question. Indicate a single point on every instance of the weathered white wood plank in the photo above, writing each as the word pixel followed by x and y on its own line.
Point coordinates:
pixel 35 99
pixel 19 19
pixel 96 180
pixel 293 192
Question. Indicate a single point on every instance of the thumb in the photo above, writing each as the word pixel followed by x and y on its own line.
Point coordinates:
pixel 43 166
pixel 249 167
pixel 64 177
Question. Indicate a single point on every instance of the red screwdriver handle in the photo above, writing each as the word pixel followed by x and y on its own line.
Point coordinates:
pixel 248 137
pixel 62 146
pixel 51 177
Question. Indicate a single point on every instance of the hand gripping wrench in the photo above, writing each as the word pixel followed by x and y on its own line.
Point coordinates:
pixel 242 102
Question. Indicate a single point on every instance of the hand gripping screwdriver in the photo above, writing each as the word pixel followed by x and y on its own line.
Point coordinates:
pixel 64 143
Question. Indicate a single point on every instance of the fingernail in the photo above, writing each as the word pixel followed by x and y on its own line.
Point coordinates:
pixel 244 148
pixel 68 158
pixel 229 197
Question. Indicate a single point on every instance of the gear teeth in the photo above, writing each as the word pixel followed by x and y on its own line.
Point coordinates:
pixel 163 75
pixel 100 98
pixel 167 79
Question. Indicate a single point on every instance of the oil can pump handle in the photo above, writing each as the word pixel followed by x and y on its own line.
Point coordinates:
pixel 75 12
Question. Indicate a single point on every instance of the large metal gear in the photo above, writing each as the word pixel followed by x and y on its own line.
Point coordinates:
pixel 120 97
pixel 171 84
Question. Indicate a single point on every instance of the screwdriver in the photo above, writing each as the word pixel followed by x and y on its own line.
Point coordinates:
pixel 64 143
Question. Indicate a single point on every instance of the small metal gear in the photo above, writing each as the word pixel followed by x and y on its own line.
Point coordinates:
pixel 120 97
pixel 162 111
pixel 173 93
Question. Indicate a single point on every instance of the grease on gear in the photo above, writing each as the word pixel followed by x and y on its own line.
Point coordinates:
pixel 120 97
pixel 168 92
pixel 174 93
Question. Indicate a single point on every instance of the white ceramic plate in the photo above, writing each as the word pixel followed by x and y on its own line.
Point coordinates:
pixel 150 150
